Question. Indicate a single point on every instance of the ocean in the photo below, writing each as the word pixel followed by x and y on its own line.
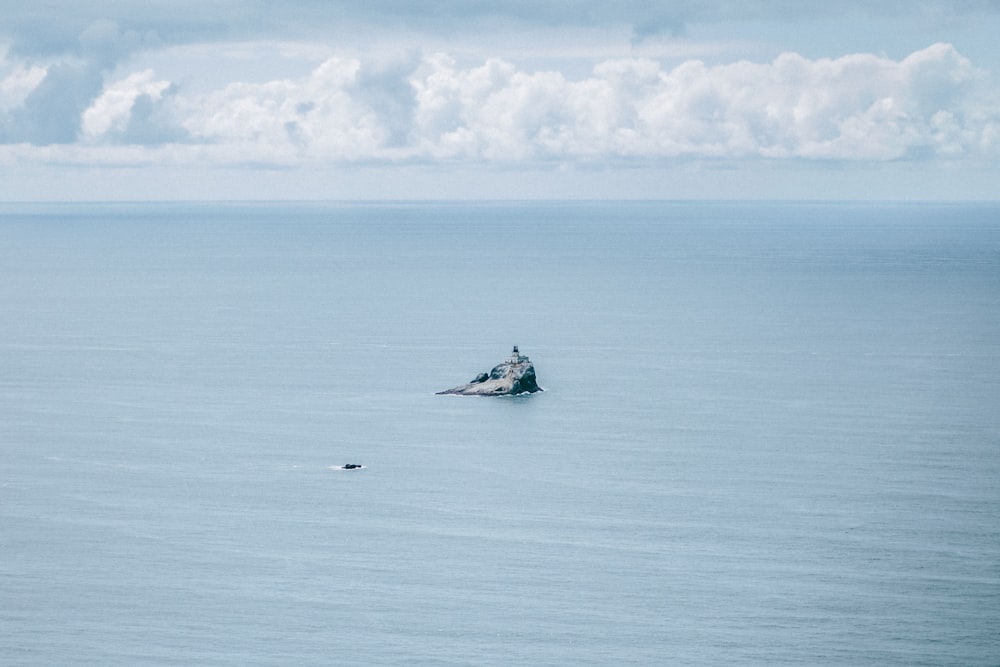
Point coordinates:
pixel 770 434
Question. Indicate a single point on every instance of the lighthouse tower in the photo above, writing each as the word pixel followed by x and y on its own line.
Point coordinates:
pixel 516 357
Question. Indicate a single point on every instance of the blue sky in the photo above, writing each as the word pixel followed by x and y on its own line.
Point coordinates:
pixel 386 99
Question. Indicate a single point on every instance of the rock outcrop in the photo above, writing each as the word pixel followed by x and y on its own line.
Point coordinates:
pixel 516 375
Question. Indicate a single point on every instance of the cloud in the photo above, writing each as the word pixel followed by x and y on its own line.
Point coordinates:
pixel 128 112
pixel 55 26
pixel 41 102
pixel 321 116
pixel 50 113
pixel 862 107
pixel 60 56
pixel 858 107
pixel 16 83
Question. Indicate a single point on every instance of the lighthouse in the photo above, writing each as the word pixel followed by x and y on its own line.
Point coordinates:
pixel 514 375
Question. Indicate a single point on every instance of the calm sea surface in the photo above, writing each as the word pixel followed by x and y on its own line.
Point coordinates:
pixel 770 434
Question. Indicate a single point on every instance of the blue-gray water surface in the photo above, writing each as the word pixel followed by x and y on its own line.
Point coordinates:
pixel 770 434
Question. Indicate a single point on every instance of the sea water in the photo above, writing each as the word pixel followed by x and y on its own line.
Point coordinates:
pixel 770 434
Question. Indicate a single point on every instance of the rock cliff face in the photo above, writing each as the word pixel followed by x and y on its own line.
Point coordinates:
pixel 516 375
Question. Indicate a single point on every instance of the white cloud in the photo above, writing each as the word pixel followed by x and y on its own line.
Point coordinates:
pixel 17 81
pixel 858 107
pixel 862 107
pixel 113 109
pixel 317 117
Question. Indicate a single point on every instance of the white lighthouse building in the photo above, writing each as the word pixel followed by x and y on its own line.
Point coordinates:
pixel 516 357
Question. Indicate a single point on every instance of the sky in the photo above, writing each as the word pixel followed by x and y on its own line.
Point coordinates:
pixel 510 99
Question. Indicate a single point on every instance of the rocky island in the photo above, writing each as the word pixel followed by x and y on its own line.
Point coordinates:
pixel 516 375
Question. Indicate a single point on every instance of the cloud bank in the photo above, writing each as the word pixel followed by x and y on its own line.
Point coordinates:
pixel 53 26
pixel 932 104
